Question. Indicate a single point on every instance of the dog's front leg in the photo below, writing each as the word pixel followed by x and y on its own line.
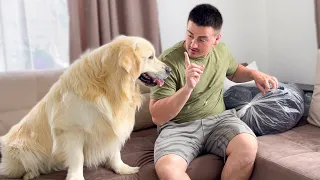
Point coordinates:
pixel 74 156
pixel 119 166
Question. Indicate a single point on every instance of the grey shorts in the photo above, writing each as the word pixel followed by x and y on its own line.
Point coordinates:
pixel 204 136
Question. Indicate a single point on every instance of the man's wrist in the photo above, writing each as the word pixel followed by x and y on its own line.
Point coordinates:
pixel 252 74
pixel 187 90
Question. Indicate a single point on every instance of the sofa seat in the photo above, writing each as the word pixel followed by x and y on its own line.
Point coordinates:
pixel 138 151
pixel 291 155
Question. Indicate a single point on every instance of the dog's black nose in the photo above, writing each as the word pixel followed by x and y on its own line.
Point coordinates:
pixel 168 69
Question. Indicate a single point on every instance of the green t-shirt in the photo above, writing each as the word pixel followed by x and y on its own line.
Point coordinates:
pixel 207 97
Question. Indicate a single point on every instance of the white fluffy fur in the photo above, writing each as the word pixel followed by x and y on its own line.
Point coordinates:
pixel 87 115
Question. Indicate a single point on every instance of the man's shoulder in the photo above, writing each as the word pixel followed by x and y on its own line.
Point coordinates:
pixel 221 47
pixel 172 53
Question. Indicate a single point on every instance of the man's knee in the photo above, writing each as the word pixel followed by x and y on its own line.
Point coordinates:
pixel 245 146
pixel 170 166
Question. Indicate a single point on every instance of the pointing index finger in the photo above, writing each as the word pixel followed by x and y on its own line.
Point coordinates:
pixel 186 57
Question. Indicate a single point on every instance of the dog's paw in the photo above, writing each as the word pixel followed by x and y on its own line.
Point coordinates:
pixel 74 177
pixel 126 169
pixel 31 175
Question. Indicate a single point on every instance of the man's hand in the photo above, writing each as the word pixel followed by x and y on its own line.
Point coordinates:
pixel 193 73
pixel 263 81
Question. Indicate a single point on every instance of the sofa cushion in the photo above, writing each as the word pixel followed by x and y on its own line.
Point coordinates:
pixel 45 79
pixel 20 91
pixel 314 113
pixel 143 119
pixel 143 116
pixel 138 151
pixel 293 155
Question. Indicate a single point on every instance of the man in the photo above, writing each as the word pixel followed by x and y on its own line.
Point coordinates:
pixel 189 109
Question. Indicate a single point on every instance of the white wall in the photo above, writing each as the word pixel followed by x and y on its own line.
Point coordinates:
pixel 292 40
pixel 265 31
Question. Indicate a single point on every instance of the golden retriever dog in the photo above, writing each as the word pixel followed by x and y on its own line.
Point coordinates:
pixel 87 115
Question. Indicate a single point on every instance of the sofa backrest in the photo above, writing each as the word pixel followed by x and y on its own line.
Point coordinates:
pixel 20 91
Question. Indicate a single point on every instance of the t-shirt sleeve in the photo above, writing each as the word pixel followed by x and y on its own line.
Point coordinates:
pixel 169 86
pixel 233 64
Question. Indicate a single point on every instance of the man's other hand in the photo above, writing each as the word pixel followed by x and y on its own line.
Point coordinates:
pixel 263 81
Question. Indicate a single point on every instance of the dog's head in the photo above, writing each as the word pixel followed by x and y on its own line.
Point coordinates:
pixel 137 58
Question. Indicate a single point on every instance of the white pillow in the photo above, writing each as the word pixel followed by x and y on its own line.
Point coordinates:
pixel 228 83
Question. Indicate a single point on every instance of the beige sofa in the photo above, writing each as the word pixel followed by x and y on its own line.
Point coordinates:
pixel 293 155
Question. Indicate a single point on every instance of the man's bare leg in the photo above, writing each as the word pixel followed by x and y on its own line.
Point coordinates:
pixel 241 152
pixel 172 167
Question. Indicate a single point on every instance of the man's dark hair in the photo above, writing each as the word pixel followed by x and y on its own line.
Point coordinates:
pixel 206 15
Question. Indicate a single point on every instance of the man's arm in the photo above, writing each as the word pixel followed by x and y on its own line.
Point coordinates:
pixel 167 108
pixel 262 80
pixel 242 74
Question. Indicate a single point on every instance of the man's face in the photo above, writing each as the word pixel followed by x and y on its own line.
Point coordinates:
pixel 200 39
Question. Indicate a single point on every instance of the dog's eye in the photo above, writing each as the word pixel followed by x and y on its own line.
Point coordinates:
pixel 150 57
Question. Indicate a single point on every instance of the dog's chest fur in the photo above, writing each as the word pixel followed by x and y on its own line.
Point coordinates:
pixel 93 117
pixel 103 131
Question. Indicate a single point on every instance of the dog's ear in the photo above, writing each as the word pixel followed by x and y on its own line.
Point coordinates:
pixel 129 61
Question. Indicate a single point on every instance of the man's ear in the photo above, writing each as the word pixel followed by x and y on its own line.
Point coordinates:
pixel 218 37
